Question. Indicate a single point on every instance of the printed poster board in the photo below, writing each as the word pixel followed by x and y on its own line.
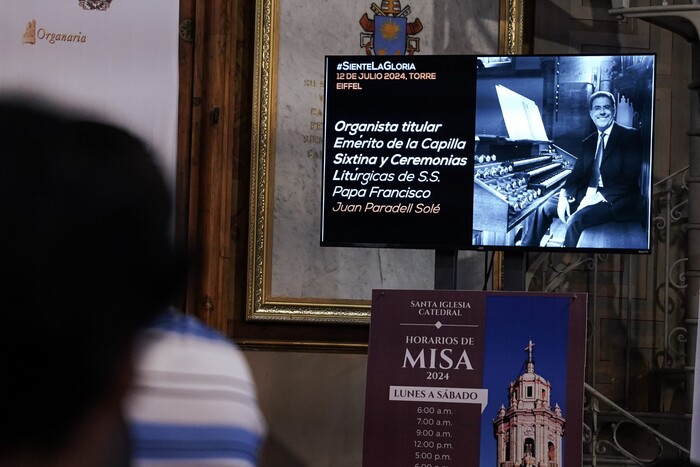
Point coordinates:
pixel 462 378
pixel 113 60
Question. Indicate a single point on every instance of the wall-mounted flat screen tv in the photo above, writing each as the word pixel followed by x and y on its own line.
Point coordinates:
pixel 536 153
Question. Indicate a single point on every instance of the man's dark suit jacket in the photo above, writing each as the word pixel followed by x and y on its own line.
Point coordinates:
pixel 621 169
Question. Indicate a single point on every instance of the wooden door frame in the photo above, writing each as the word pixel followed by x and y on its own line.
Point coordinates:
pixel 207 106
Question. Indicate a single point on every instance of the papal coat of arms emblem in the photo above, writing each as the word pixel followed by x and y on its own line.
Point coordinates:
pixel 100 5
pixel 390 33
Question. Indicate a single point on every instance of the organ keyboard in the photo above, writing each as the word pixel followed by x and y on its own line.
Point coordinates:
pixel 551 179
pixel 511 179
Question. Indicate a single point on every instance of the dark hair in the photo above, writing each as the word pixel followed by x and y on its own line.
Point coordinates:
pixel 87 259
pixel 605 94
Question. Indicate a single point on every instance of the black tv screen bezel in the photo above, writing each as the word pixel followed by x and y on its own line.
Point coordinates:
pixel 468 244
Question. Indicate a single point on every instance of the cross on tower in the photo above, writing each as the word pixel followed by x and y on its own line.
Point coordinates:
pixel 530 346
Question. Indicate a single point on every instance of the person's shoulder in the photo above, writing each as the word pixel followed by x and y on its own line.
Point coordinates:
pixel 178 340
pixel 631 137
pixel 625 129
pixel 193 399
pixel 175 322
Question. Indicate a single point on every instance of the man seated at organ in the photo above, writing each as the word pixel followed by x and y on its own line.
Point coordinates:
pixel 604 184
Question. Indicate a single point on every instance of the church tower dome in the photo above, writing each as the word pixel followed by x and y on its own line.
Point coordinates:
pixel 529 432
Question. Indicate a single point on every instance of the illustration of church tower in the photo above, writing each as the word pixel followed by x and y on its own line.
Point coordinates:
pixel 529 432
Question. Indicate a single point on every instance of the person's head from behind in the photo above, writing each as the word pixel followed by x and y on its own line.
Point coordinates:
pixel 86 261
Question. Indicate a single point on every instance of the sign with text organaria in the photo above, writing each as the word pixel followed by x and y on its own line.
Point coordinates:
pixel 461 378
pixel 398 141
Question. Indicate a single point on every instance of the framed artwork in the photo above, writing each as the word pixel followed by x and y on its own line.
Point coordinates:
pixel 291 280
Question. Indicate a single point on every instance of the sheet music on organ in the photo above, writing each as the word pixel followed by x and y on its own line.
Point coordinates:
pixel 521 115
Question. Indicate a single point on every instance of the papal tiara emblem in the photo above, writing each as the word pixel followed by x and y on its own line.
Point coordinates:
pixel 101 5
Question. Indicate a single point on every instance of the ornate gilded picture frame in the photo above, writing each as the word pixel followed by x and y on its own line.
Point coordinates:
pixel 290 278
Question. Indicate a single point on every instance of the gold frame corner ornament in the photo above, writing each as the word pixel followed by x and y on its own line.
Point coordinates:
pixel 260 305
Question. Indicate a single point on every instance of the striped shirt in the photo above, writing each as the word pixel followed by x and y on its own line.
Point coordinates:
pixel 193 402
